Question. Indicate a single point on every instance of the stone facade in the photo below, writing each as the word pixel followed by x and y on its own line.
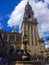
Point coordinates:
pixel 12 40
pixel 30 28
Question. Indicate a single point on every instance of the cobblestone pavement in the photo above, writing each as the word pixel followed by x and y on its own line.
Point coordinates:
pixel 44 63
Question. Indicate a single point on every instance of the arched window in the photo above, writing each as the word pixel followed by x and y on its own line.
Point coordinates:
pixel 29 16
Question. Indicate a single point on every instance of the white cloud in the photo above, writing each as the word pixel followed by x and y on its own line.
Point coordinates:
pixel 47 46
pixel 41 13
pixel 17 15
pixel 47 1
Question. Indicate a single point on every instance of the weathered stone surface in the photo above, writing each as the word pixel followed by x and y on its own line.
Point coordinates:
pixel 25 63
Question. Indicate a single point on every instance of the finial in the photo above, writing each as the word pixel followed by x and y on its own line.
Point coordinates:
pixel 27 0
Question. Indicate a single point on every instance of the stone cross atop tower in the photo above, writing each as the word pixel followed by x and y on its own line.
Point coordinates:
pixel 27 0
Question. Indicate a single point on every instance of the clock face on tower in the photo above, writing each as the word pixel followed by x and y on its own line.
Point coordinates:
pixel 30 19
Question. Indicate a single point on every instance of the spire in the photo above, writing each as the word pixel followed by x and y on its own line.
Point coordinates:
pixel 28 11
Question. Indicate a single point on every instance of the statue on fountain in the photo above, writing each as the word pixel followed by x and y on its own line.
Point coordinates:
pixel 26 55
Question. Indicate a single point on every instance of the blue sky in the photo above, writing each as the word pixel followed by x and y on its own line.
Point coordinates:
pixel 11 15
pixel 6 7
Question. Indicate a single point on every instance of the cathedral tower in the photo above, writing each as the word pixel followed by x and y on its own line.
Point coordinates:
pixel 30 27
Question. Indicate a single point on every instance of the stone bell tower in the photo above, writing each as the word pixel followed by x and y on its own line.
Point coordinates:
pixel 30 27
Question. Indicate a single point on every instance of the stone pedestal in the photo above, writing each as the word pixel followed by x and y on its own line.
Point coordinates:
pixel 25 63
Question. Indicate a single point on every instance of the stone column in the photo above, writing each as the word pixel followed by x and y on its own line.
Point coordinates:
pixel 37 35
pixel 30 41
pixel 28 35
pixel 33 35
